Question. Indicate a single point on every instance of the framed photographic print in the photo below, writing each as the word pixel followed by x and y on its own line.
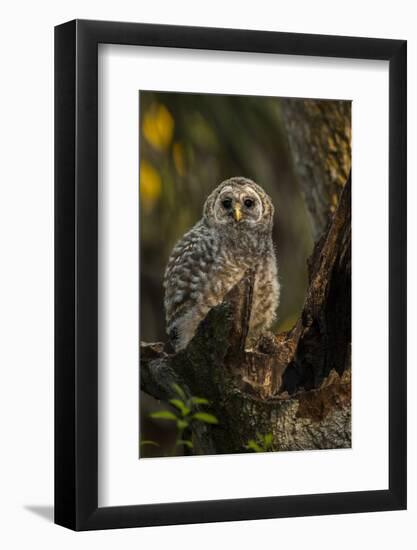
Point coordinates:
pixel 230 248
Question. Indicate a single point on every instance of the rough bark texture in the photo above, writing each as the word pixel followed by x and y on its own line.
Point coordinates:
pixel 296 385
pixel 320 140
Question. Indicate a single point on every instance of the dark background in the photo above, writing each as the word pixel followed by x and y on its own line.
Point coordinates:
pixel 189 143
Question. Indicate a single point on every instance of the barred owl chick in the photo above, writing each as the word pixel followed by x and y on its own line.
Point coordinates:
pixel 233 235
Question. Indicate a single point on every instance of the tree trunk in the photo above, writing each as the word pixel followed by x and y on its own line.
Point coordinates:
pixel 319 134
pixel 295 386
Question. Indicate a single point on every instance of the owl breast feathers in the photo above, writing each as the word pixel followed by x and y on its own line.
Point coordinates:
pixel 233 236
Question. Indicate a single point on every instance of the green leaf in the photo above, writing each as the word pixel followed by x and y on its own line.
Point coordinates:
pixel 181 406
pixel 253 446
pixel 199 401
pixel 149 442
pixel 205 417
pixel 182 424
pixel 179 391
pixel 185 442
pixel 166 415
pixel 268 440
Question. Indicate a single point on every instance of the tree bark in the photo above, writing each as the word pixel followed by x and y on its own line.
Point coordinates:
pixel 296 385
pixel 319 134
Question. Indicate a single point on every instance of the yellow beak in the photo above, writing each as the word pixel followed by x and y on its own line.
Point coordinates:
pixel 237 212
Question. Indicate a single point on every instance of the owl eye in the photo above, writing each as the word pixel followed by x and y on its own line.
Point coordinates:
pixel 227 203
pixel 248 203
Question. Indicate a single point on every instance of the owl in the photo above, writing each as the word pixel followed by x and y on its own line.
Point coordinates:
pixel 233 236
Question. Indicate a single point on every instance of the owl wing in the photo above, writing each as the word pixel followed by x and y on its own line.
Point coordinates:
pixel 197 278
pixel 185 276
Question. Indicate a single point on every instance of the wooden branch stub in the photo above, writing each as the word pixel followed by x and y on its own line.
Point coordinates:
pixel 248 283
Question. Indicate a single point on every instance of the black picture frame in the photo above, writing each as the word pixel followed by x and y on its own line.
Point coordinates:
pixel 76 271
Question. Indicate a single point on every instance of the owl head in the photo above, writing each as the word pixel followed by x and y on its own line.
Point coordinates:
pixel 239 203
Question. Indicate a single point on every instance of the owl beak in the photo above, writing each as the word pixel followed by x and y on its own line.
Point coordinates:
pixel 237 212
